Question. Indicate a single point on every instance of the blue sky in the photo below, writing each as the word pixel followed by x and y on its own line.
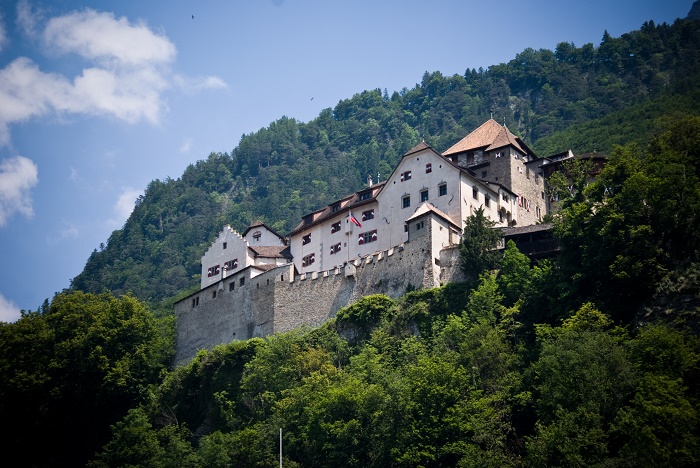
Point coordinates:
pixel 98 98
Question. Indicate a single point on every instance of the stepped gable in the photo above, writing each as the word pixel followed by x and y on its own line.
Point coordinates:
pixel 490 135
pixel 227 227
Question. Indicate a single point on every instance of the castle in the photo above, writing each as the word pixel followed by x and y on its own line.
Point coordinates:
pixel 388 236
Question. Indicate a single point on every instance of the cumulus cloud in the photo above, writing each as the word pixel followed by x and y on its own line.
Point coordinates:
pixel 18 175
pixel 124 206
pixel 128 72
pixel 192 85
pixel 9 312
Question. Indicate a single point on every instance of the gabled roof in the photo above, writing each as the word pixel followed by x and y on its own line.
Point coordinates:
pixel 419 147
pixel 427 208
pixel 270 251
pixel 347 203
pixel 257 224
pixel 490 135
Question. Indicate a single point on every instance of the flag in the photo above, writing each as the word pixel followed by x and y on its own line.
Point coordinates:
pixel 354 220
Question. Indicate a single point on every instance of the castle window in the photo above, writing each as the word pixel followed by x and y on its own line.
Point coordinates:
pixel 527 173
pixel 500 216
pixel 475 193
pixel 231 265
pixel 406 176
pixel 367 237
pixel 306 239
pixel 213 271
pixel 487 200
pixel 537 211
pixel 406 201
pixel 241 282
pixel 232 286
pixel 423 196
pixel 308 260
pixel 442 190
pixel 505 197
pixel 405 228
pixel 213 295
pixel 420 225
pixel 483 174
pixel 195 302
pixel 365 196
pixel 257 235
pixel 428 168
pixel 335 227
pixel 335 207
pixel 335 248
pixel 369 214
pixel 224 245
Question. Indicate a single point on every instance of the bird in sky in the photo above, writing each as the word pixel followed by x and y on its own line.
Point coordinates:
pixel 192 16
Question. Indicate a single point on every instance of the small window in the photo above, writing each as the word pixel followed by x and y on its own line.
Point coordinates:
pixel 406 176
pixel 306 239
pixel 406 201
pixel 483 174
pixel 475 193
pixel 241 282
pixel 369 214
pixel 527 173
pixel 487 200
pixel 335 248
pixel 231 264
pixel 365 196
pixel 225 245
pixel 428 168
pixel 257 235
pixel 500 216
pixel 335 227
pixel 367 237
pixel 442 190
pixel 232 286
pixel 505 197
pixel 423 196
pixel 335 207
pixel 537 211
pixel 405 228
pixel 308 260
pixel 420 225
pixel 213 271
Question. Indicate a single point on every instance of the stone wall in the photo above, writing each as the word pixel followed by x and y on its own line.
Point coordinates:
pixel 277 301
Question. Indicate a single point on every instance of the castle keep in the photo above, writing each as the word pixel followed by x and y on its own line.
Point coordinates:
pixel 389 235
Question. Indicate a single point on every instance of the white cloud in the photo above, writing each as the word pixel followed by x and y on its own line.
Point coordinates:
pixel 186 145
pixel 70 231
pixel 124 206
pixel 74 176
pixel 18 175
pixel 111 41
pixel 127 82
pixel 3 33
pixel 26 19
pixel 9 312
pixel 196 84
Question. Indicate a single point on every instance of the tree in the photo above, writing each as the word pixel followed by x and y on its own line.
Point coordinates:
pixel 478 247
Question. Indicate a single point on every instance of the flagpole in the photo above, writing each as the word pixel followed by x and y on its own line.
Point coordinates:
pixel 280 447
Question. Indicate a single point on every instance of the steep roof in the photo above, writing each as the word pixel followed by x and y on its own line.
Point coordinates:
pixel 426 208
pixel 490 135
pixel 257 224
pixel 270 251
pixel 419 147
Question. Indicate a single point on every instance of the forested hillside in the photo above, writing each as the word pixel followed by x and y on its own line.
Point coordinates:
pixel 581 98
pixel 589 359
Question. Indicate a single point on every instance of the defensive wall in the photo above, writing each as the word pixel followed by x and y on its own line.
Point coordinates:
pixel 279 301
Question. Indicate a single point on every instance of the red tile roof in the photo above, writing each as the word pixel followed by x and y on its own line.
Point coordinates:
pixel 489 135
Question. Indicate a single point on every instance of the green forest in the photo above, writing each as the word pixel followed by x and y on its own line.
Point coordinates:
pixel 589 359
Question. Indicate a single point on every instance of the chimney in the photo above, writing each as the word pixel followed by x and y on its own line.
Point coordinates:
pixel 369 180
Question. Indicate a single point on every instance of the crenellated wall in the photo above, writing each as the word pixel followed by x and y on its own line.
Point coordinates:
pixel 278 301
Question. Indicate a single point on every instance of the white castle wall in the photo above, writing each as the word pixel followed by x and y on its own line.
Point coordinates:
pixel 275 301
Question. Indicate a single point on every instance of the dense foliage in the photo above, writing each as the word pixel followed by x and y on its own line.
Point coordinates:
pixel 72 369
pixel 584 98
pixel 589 359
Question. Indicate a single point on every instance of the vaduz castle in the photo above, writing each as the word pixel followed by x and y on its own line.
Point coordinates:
pixel 387 236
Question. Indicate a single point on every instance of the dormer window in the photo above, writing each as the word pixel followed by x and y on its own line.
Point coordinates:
pixel 335 207
pixel 365 196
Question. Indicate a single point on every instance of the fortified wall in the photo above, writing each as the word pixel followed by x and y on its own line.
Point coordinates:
pixel 279 301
